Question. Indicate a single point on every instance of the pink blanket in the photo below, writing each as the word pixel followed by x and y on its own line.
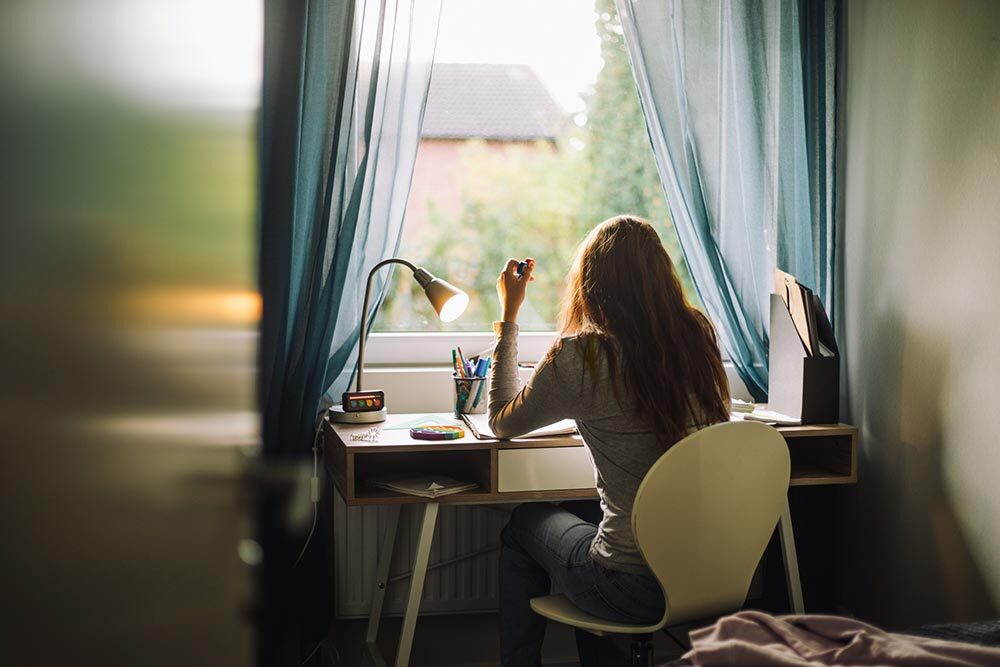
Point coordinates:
pixel 756 639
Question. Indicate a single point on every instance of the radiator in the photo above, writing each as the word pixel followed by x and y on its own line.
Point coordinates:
pixel 467 584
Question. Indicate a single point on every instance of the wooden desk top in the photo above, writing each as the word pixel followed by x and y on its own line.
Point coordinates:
pixel 822 454
pixel 393 437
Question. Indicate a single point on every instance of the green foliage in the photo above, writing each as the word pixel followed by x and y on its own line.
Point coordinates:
pixel 517 201
pixel 539 200
pixel 623 169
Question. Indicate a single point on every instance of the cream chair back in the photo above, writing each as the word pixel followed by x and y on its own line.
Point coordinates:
pixel 705 512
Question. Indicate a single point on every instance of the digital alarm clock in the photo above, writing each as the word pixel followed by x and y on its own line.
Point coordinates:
pixel 363 401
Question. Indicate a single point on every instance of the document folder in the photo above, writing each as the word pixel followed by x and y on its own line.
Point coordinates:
pixel 802 384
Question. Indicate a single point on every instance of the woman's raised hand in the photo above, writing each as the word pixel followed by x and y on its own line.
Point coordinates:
pixel 511 288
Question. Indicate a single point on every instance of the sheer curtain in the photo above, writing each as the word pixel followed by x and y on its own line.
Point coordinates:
pixel 345 84
pixel 739 104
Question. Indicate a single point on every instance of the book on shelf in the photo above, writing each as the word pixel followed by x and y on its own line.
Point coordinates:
pixel 426 486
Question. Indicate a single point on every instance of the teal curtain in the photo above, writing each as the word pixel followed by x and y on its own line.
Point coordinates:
pixel 739 104
pixel 344 89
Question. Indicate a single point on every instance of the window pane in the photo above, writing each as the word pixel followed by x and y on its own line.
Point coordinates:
pixel 527 144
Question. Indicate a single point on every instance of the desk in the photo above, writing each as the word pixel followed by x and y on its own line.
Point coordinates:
pixel 521 470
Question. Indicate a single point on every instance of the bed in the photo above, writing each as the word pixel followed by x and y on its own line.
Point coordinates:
pixel 981 633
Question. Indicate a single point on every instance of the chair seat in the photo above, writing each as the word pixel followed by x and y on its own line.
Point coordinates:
pixel 558 608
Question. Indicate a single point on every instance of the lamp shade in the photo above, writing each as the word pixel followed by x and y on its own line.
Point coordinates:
pixel 449 302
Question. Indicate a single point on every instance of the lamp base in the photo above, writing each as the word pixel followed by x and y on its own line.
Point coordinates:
pixel 337 414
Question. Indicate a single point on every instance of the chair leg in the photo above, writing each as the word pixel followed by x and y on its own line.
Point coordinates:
pixel 642 650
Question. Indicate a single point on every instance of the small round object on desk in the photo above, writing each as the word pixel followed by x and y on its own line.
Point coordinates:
pixel 435 432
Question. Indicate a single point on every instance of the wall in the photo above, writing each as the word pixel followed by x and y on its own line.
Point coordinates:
pixel 921 253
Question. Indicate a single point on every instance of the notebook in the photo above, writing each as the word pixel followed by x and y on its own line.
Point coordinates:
pixel 480 427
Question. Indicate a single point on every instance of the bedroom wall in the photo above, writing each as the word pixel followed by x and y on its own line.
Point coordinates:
pixel 920 316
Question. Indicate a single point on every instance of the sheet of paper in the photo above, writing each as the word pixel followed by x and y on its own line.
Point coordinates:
pixel 480 425
pixel 768 417
pixel 420 421
pixel 798 300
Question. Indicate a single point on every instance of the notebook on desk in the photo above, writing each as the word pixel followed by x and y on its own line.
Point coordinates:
pixel 480 427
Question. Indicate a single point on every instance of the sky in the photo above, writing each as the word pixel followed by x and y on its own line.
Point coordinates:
pixel 207 53
pixel 556 37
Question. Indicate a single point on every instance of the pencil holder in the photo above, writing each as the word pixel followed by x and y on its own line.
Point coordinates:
pixel 470 395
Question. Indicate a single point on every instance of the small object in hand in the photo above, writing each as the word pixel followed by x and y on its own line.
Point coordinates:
pixel 521 266
pixel 363 401
pixel 435 432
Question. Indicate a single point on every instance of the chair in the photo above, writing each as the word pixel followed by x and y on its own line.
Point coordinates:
pixel 702 518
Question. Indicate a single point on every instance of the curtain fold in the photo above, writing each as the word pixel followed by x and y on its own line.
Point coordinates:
pixel 344 89
pixel 738 99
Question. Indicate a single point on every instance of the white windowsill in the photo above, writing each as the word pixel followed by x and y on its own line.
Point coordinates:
pixel 434 349
pixel 429 388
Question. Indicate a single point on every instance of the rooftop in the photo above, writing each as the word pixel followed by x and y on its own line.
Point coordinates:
pixel 486 101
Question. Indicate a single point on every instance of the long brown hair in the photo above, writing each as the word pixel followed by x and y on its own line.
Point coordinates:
pixel 623 290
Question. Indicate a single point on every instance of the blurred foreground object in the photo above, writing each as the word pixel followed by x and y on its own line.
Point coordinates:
pixel 128 330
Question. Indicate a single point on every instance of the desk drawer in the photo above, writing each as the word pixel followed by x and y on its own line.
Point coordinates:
pixel 544 469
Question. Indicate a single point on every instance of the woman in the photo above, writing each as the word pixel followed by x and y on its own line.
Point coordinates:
pixel 638 369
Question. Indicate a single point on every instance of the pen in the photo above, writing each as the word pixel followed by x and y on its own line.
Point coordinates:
pixel 479 392
pixel 461 360
pixel 455 365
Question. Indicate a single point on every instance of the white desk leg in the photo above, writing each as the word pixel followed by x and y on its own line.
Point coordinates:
pixel 791 560
pixel 382 576
pixel 430 512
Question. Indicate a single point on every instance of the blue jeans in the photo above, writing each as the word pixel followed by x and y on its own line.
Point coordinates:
pixel 544 544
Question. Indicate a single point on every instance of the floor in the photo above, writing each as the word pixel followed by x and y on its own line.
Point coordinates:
pixel 466 640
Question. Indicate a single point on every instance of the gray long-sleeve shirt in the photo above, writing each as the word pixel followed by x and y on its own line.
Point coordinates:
pixel 568 385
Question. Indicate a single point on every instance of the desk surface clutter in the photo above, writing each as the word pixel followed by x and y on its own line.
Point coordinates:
pixel 546 467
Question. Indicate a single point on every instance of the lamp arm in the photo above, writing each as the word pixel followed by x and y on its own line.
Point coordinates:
pixel 364 310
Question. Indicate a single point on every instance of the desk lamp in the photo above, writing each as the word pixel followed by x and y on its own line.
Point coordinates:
pixel 449 302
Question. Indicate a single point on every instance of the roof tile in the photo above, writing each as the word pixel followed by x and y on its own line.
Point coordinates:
pixel 489 101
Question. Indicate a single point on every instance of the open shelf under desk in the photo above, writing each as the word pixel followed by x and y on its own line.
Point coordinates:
pixel 823 456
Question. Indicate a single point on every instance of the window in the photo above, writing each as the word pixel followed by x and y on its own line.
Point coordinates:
pixel 533 134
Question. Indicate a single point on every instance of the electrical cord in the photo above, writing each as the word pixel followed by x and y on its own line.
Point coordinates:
pixel 313 494
pixel 334 658
pixel 312 653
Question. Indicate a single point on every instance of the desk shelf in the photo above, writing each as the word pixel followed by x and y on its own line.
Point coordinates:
pixel 462 464
pixel 822 457
pixel 822 454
